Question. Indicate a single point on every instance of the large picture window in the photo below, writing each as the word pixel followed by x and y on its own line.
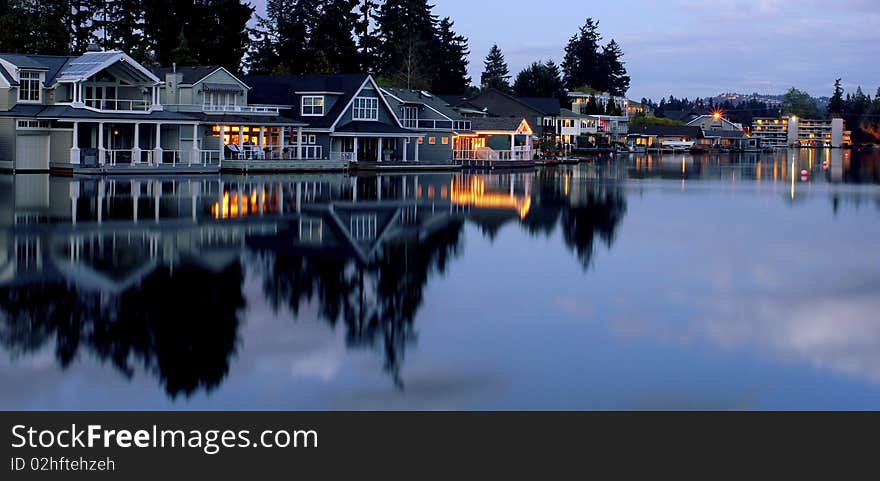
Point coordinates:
pixel 313 105
pixel 29 87
pixel 366 108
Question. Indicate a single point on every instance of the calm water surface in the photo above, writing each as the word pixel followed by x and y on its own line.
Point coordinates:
pixel 641 283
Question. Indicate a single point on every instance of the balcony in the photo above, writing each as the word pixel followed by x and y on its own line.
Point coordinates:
pixel 119 105
pixel 435 124
pixel 239 109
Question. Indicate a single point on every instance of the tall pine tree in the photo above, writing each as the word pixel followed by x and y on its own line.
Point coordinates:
pixel 835 104
pixel 407 34
pixel 496 74
pixel 540 80
pixel 450 61
pixel 612 69
pixel 582 64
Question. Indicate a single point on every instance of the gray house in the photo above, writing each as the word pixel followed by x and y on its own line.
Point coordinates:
pixel 419 110
pixel 349 119
pixel 97 111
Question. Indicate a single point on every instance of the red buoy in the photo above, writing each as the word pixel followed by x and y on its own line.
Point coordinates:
pixel 805 175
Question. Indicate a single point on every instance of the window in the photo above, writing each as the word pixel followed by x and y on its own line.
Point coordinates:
pixel 445 140
pixel 411 117
pixel 421 140
pixel 311 139
pixel 313 106
pixel 432 140
pixel 29 87
pixel 366 108
pixel 33 124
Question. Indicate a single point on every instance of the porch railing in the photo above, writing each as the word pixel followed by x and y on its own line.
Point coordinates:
pixel 436 124
pixel 250 109
pixel 518 153
pixel 119 105
pixel 345 156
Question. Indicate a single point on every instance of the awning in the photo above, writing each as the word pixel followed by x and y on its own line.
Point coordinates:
pixel 222 88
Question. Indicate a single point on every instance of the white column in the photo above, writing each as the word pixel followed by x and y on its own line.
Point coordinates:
pixel 195 146
pixel 355 155
pixel 136 144
pixel 416 156
pixel 74 145
pixel 222 143
pixel 512 146
pixel 101 152
pixel 404 140
pixel 379 149
pixel 157 152
pixel 241 139
pixel 281 142
pixel 299 143
pixel 261 140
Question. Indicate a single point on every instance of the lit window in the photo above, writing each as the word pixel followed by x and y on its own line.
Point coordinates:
pixel 421 140
pixel 432 140
pixel 366 108
pixel 29 87
pixel 445 140
pixel 313 105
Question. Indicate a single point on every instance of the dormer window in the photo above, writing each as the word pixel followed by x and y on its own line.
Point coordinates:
pixel 366 108
pixel 313 105
pixel 29 86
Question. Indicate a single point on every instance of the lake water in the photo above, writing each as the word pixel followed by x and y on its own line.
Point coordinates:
pixel 641 282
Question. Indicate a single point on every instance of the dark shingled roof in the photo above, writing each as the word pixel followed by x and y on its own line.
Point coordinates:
pixel 191 74
pixel 67 112
pixel 724 134
pixel 419 97
pixel 281 90
pixel 667 130
pixel 509 124
pixel 546 105
pixel 225 119
pixel 51 64
pixel 373 128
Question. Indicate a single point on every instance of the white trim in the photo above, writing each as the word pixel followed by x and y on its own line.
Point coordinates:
pixel 41 78
pixel 317 92
pixel 246 86
pixel 421 103
pixel 369 105
pixel 118 57
pixel 302 106
pixel 351 102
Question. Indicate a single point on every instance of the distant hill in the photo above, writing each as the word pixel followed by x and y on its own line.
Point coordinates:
pixel 769 99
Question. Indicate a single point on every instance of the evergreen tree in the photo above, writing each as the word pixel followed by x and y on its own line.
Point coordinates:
pixel 80 22
pixel 612 69
pixel 368 44
pixel 263 57
pixel 182 54
pixel 835 104
pixel 122 25
pixel 407 41
pixel 496 74
pixel 582 63
pixel 451 61
pixel 331 42
pixel 540 80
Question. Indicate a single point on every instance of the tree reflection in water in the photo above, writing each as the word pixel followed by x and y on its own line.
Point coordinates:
pixel 180 320
pixel 182 326
pixel 377 300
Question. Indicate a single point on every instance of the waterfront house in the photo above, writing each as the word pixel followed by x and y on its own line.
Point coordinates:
pixel 96 112
pixel 349 119
pixel 541 114
pixel 232 132
pixel 421 111
pixel 496 139
pixel 719 133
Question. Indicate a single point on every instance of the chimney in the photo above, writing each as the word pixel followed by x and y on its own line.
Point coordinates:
pixel 174 67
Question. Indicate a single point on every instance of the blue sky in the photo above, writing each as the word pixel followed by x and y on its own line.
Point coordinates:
pixel 689 47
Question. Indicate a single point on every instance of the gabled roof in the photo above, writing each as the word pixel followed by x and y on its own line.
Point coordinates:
pixel 496 124
pixel 282 90
pixel 425 98
pixel 191 73
pixel 50 64
pixel 667 130
pixel 570 114
pixel 91 63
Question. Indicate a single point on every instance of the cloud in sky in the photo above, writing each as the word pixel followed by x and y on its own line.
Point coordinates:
pixel 690 47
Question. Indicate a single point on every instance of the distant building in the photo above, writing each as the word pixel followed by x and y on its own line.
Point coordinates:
pixel 793 131
pixel 719 132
